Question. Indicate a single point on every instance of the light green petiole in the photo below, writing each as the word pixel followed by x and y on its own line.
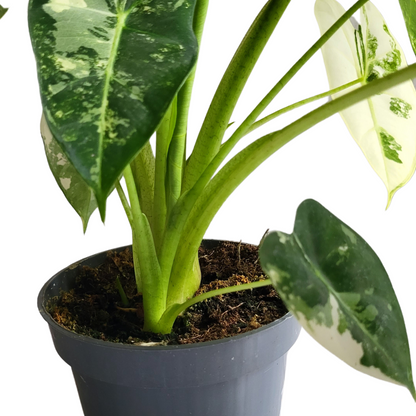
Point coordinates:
pixel 122 293
pixel 124 202
pixel 230 88
pixel 248 122
pixel 245 162
pixel 301 103
pixel 177 148
pixel 166 322
pixel 152 285
pixel 186 202
pixel 163 138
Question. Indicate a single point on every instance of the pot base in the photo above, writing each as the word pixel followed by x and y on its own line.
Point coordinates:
pixel 242 396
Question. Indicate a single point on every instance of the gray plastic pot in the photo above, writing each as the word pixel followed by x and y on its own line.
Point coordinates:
pixel 238 376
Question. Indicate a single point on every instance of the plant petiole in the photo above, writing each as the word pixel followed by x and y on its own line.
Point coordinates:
pixel 124 202
pixel 301 103
pixel 122 293
pixel 240 166
pixel 168 318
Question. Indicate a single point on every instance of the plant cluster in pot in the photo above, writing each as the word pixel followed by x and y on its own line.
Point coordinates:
pixel 113 73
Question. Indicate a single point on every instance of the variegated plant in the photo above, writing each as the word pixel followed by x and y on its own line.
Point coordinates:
pixel 113 72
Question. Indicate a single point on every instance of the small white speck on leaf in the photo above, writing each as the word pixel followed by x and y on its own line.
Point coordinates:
pixel 65 182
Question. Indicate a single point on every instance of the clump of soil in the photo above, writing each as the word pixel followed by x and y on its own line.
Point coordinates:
pixel 94 307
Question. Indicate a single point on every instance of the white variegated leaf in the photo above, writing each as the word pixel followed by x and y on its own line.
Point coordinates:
pixel 336 286
pixel 384 126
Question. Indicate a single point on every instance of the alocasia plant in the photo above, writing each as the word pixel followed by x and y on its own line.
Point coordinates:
pixel 112 73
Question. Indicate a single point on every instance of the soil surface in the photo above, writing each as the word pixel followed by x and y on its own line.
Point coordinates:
pixel 94 306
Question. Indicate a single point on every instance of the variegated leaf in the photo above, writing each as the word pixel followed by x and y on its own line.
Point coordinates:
pixel 2 11
pixel 384 126
pixel 76 191
pixel 108 70
pixel 409 14
pixel 336 286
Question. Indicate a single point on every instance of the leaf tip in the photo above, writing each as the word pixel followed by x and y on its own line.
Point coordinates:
pixel 84 225
pixel 101 203
pixel 3 11
pixel 389 199
pixel 390 195
pixel 413 392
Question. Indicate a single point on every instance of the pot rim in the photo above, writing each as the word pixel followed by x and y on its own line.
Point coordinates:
pixel 113 345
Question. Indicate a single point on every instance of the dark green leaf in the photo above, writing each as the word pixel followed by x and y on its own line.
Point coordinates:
pixel 409 14
pixel 108 71
pixel 76 191
pixel 2 11
pixel 336 286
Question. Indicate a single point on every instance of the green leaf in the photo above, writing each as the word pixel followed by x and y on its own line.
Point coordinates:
pixel 2 11
pixel 338 289
pixel 384 126
pixel 409 14
pixel 108 71
pixel 76 191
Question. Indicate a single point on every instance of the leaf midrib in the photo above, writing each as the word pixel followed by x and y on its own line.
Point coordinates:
pixel 109 72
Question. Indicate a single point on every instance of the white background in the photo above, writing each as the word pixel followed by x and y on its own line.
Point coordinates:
pixel 41 234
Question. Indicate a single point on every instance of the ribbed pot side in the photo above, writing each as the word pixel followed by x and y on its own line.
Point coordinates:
pixel 238 376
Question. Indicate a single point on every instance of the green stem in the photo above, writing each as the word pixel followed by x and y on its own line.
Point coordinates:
pixel 253 116
pixel 248 122
pixel 124 202
pixel 200 16
pixel 177 149
pixel 168 319
pixel 245 162
pixel 180 213
pixel 163 138
pixel 230 89
pixel 174 172
pixel 122 293
pixel 153 287
pixel 301 103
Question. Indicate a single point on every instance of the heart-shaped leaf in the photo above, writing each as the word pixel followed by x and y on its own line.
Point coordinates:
pixel 384 126
pixel 76 191
pixel 108 71
pixel 336 286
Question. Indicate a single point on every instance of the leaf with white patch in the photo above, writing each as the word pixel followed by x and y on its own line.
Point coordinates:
pixel 108 71
pixel 76 191
pixel 384 126
pixel 336 286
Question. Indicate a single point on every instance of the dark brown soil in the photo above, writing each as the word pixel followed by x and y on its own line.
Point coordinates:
pixel 94 306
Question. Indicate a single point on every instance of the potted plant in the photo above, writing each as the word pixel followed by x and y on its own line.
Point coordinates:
pixel 66 65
